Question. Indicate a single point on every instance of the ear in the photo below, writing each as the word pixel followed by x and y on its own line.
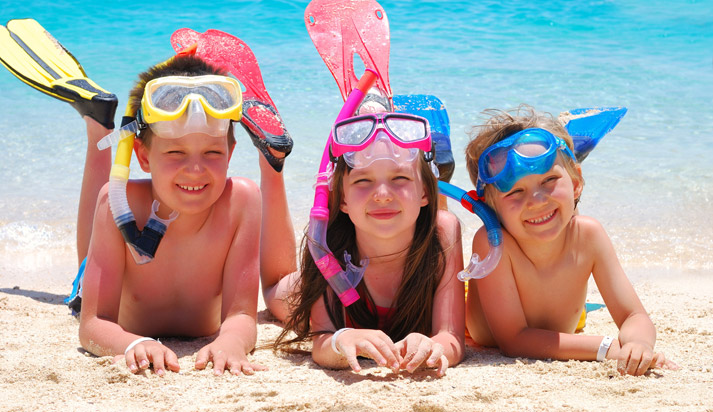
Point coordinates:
pixel 424 197
pixel 142 154
pixel 343 206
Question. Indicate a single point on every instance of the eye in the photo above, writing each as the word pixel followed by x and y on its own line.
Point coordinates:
pixel 513 193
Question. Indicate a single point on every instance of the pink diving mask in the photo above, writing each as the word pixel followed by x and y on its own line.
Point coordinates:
pixel 395 136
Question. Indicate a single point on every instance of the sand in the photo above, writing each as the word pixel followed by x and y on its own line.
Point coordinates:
pixel 43 367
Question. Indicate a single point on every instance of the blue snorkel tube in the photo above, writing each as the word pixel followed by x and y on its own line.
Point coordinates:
pixel 478 269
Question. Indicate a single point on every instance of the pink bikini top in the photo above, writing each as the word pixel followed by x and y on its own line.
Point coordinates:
pixel 385 316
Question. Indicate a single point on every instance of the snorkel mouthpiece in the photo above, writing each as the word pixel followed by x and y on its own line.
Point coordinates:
pixel 144 243
pixel 478 269
pixel 342 282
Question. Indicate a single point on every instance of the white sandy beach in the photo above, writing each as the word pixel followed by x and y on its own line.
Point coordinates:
pixel 43 367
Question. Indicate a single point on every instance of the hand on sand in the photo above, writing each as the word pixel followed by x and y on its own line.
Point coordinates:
pixel 150 354
pixel 417 348
pixel 369 343
pixel 226 357
pixel 635 358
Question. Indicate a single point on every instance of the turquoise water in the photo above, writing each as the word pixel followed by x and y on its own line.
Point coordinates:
pixel 649 181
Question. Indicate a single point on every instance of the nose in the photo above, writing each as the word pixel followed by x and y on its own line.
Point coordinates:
pixel 194 165
pixel 382 193
pixel 537 198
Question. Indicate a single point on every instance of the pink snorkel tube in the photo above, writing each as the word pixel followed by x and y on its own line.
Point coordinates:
pixel 343 282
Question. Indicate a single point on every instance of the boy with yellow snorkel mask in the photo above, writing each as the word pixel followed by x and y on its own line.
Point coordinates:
pixel 203 279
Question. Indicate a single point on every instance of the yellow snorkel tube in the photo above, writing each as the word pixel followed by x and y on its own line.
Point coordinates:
pixel 142 243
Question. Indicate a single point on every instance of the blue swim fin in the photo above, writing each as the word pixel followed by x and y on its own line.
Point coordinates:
pixel 433 109
pixel 587 126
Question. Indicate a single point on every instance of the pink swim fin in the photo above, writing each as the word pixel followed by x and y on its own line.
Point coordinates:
pixel 340 29
pixel 260 118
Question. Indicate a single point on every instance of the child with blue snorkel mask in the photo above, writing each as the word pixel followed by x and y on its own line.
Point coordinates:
pixel 530 305
pixel 203 279
pixel 408 309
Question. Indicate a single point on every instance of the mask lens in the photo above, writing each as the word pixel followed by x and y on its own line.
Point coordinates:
pixel 215 95
pixel 531 146
pixel 168 98
pixel 496 161
pixel 354 133
pixel 406 130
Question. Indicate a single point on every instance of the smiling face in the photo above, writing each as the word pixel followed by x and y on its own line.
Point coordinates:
pixel 384 199
pixel 539 206
pixel 188 174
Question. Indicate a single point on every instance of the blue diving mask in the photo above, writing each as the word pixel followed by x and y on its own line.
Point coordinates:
pixel 528 152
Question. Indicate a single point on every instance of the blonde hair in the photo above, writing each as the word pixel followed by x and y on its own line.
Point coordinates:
pixel 500 125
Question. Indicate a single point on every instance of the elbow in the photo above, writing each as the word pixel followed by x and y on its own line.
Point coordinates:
pixel 87 341
pixel 84 337
pixel 510 350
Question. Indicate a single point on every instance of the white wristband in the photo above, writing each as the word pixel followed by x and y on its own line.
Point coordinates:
pixel 334 339
pixel 136 342
pixel 604 348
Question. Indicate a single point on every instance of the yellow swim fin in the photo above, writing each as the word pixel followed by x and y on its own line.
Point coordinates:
pixel 34 56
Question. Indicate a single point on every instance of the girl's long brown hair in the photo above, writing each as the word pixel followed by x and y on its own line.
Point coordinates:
pixel 412 310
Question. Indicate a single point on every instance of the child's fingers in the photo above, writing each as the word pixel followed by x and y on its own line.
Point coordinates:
pixel 660 361
pixel 142 359
pixel 131 361
pixel 350 354
pixel 389 354
pixel 219 361
pixel 370 350
pixel 669 364
pixel 157 359
pixel 646 362
pixel 171 361
pixel 202 358
pixel 245 367
pixel 630 364
pixel 423 350
pixel 436 355
pixel 236 367
pixel 443 366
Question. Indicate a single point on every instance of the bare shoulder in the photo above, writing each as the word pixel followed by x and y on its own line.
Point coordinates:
pixel 588 227
pixel 240 191
pixel 448 224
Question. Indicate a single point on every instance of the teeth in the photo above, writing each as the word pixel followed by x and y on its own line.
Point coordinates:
pixel 542 219
pixel 191 188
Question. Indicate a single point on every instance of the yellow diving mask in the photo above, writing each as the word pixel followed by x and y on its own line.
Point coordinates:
pixel 175 106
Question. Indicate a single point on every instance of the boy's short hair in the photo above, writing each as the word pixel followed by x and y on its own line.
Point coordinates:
pixel 180 65
pixel 503 124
